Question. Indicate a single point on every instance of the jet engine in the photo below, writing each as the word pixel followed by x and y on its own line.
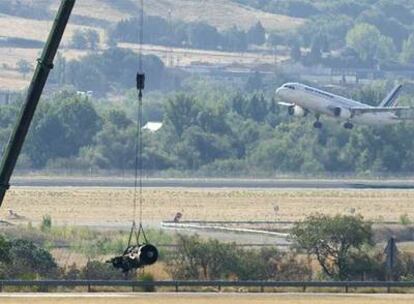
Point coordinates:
pixel 342 113
pixel 297 111
pixel 136 257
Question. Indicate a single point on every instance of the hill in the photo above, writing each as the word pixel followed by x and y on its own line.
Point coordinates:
pixel 32 20
pixel 220 13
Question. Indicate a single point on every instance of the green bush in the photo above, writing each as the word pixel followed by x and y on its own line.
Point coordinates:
pixel 46 224
pixel 147 278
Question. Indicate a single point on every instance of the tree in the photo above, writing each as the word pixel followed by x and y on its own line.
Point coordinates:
pixel 24 67
pixel 61 128
pixel 93 39
pixel 180 112
pixel 79 40
pixel 295 52
pixel 407 54
pixel 30 261
pixel 254 82
pixel 332 240
pixel 203 36
pixel 197 259
pixel 256 34
pixel 368 42
pixel 235 40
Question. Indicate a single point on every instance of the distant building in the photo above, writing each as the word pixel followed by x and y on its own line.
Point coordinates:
pixel 87 94
pixel 152 126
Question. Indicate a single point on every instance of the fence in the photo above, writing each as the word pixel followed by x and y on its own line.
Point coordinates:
pixel 45 284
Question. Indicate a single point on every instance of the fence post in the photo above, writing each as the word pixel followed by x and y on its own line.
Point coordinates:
pixel 89 288
pixel 176 286
pixel 304 288
pixel 219 287
pixel 346 288
pixel 389 289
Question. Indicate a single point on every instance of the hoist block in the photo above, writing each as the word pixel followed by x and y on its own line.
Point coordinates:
pixel 140 81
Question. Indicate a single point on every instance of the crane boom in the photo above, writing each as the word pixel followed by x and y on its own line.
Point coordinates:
pixel 44 65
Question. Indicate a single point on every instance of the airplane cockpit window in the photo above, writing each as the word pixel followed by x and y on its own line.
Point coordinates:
pixel 288 86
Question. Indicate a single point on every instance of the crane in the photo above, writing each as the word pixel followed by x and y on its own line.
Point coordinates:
pixel 40 76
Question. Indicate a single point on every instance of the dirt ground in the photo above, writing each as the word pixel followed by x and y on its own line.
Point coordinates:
pixel 201 298
pixel 112 206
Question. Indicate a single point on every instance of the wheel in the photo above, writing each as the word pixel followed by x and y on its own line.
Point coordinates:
pixel 348 125
pixel 317 124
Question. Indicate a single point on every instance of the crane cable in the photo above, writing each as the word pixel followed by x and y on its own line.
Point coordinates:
pixel 138 185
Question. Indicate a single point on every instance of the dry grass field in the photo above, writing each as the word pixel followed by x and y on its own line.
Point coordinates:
pixel 186 57
pixel 12 26
pixel 10 78
pixel 112 206
pixel 220 13
pixel 207 299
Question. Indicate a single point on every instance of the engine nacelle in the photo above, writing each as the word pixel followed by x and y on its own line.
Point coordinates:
pixel 135 257
pixel 342 113
pixel 297 111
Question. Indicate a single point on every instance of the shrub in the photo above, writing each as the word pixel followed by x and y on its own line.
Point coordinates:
pixel 147 278
pixel 46 224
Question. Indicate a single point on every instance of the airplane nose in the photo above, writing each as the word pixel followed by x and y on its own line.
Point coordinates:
pixel 278 91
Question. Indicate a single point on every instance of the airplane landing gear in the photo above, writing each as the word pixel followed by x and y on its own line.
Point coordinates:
pixel 348 125
pixel 317 124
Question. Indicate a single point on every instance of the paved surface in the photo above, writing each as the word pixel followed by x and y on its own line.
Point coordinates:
pixel 212 183
pixel 206 298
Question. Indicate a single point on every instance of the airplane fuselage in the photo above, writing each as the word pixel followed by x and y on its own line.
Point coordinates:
pixel 320 102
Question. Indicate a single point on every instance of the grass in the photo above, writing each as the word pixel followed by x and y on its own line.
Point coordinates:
pixel 106 207
pixel 221 13
pixel 210 299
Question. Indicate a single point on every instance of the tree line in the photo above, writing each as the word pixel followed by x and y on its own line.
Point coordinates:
pixel 213 132
pixel 198 35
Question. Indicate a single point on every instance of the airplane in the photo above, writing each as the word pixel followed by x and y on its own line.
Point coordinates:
pixel 302 100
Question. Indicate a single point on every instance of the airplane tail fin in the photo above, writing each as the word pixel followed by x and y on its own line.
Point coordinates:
pixel 391 99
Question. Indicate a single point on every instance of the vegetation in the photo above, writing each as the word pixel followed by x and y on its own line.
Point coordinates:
pixel 336 242
pixel 197 35
pixel 208 133
pixel 113 70
pixel 341 244
pixel 212 260
pixel 24 67
pixel 85 39
pixel 23 259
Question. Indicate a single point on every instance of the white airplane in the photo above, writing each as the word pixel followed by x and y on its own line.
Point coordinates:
pixel 302 100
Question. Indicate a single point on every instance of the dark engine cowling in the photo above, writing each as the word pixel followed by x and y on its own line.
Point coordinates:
pixel 343 113
pixel 297 111
pixel 135 257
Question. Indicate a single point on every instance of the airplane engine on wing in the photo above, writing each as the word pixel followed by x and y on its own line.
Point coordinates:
pixel 342 113
pixel 297 111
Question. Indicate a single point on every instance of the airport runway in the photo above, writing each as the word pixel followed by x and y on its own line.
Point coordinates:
pixel 211 183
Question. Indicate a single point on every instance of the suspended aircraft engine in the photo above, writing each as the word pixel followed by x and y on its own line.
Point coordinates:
pixel 342 113
pixel 297 111
pixel 135 257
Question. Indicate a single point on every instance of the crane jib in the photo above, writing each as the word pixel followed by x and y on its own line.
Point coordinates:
pixel 40 76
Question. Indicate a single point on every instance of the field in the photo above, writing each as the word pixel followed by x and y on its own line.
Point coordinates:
pixel 208 299
pixel 11 79
pixel 101 14
pixel 112 207
pixel 221 13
